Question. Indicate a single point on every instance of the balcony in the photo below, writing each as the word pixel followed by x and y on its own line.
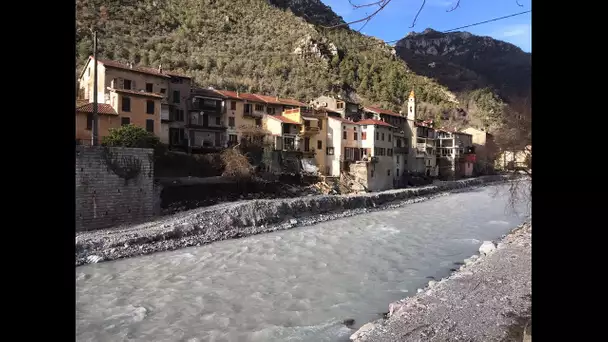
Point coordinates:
pixel 309 130
pixel 401 150
pixel 253 114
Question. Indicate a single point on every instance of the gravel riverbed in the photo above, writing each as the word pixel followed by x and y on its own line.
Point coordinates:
pixel 488 299
pixel 243 218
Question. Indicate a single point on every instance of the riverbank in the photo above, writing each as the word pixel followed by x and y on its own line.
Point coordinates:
pixel 243 218
pixel 488 299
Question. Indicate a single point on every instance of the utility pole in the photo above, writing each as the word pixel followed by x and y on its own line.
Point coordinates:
pixel 95 131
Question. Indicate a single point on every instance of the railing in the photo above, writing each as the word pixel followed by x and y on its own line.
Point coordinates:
pixel 253 114
pixel 309 130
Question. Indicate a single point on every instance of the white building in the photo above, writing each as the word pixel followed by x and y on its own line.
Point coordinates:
pixel 377 139
pixel 340 140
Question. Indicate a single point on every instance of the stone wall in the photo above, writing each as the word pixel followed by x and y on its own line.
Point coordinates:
pixel 114 186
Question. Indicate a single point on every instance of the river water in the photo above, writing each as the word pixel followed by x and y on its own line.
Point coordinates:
pixel 292 285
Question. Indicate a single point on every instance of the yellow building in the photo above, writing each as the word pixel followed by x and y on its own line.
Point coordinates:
pixel 313 134
pixel 137 93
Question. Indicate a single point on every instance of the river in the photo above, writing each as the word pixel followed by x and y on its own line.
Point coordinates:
pixel 292 285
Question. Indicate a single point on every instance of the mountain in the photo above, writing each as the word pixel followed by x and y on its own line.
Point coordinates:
pixel 465 62
pixel 275 47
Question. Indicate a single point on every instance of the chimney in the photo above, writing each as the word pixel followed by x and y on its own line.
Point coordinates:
pixel 277 97
pixel 237 93
pixel 131 65
pixel 160 68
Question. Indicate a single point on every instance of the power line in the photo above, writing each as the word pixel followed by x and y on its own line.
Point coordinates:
pixel 488 21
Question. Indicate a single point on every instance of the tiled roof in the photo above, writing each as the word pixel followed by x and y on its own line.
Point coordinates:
pixel 425 123
pixel 102 108
pixel 381 111
pixel 138 93
pixel 239 96
pixel 140 69
pixel 283 119
pixel 374 122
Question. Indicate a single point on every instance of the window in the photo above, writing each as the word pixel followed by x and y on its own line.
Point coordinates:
pixel 126 84
pixel 388 172
pixel 149 87
pixel 389 137
pixel 259 107
pixel 89 71
pixel 89 121
pixel 363 135
pixel 340 105
pixel 270 110
pixel 150 107
pixel 330 151
pixel 390 152
pixel 125 121
pixel 126 104
pixel 176 96
pixel 382 136
pixel 372 174
pixel 377 136
pixel 397 173
pixel 150 125
pixel 231 122
pixel 232 105
pixel 319 144
pixel 217 121
pixel 180 114
pixel 247 108
pixel 397 163
pixel 258 122
pixel 344 134
pixel 320 124
pixel 163 91
pixel 232 139
pixel 355 135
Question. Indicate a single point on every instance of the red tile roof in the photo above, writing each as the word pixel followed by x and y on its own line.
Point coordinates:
pixel 261 98
pixel 138 93
pixel 374 122
pixel 140 69
pixel 239 96
pixel 381 111
pixel 283 119
pixel 102 108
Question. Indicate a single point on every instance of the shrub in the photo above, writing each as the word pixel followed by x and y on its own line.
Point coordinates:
pixel 132 136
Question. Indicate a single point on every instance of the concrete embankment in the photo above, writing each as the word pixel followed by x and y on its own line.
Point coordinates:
pixel 243 218
pixel 488 299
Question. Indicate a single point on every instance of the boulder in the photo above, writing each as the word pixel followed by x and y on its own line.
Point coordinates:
pixel 487 247
pixel 366 328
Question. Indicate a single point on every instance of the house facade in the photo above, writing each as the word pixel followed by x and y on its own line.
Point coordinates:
pixel 485 148
pixel 107 118
pixel 138 94
pixel 346 109
pixel 377 140
pixel 455 154
pixel 312 136
pixel 206 122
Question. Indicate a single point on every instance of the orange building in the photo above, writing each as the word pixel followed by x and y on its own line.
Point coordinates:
pixel 107 118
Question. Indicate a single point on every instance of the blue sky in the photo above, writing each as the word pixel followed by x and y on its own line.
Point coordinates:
pixel 395 20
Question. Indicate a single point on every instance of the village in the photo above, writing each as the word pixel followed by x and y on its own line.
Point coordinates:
pixel 329 136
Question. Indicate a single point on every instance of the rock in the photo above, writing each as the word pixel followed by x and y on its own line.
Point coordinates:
pixel 93 259
pixel 432 283
pixel 471 260
pixel 487 247
pixel 349 322
pixel 419 291
pixel 293 221
pixel 362 331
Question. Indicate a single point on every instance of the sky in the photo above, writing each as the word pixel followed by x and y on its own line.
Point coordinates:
pixel 394 21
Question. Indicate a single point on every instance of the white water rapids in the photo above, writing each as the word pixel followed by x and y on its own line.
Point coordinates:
pixel 293 285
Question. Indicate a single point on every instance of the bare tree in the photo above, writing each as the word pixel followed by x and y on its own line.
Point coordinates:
pixel 381 4
pixel 515 137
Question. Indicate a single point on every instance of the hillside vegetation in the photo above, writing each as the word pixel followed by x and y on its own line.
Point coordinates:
pixel 258 46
